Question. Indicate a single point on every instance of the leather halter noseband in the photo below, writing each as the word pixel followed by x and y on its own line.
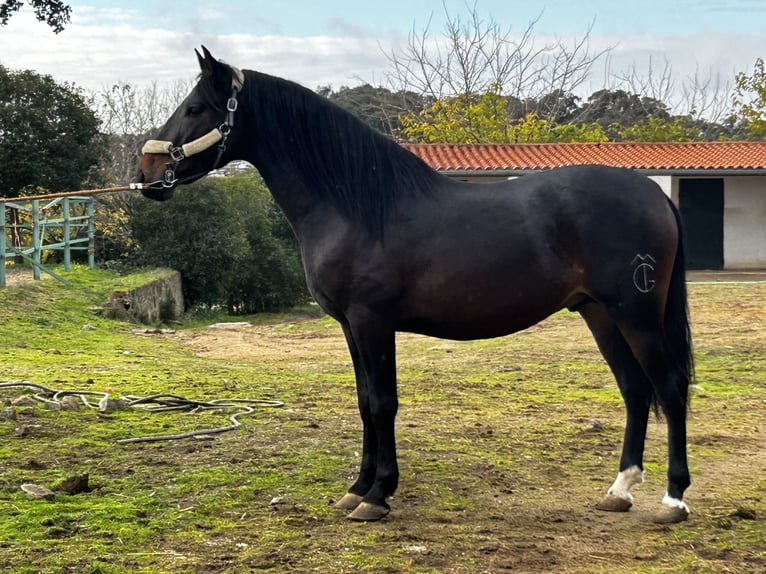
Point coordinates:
pixel 220 134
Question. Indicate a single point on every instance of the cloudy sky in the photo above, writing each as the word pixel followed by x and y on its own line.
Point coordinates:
pixel 344 42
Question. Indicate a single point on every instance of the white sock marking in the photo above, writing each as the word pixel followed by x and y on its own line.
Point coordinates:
pixel 625 481
pixel 668 500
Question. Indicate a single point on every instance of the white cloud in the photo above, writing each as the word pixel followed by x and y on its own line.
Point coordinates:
pixel 103 46
pixel 89 15
pixel 95 51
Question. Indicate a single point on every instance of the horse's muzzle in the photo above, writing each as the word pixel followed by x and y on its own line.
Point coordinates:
pixel 160 194
pixel 151 169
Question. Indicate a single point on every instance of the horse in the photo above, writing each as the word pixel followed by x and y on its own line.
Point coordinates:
pixel 389 244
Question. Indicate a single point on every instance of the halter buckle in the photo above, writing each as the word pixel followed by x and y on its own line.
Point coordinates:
pixel 231 104
pixel 176 153
pixel 169 178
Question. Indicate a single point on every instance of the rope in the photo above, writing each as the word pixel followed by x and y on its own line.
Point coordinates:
pixel 162 402
pixel 82 192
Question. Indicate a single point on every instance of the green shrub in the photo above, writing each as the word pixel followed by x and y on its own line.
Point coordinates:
pixel 232 245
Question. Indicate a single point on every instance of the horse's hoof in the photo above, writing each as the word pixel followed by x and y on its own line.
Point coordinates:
pixel 367 512
pixel 349 501
pixel 612 503
pixel 671 515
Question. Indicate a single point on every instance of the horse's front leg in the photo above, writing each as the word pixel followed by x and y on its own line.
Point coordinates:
pixel 367 469
pixel 372 346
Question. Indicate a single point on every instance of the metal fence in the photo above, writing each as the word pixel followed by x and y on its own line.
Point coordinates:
pixel 28 227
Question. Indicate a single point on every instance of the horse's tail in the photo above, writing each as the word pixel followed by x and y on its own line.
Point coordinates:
pixel 678 335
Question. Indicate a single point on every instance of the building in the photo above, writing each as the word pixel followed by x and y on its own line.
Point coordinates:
pixel 719 187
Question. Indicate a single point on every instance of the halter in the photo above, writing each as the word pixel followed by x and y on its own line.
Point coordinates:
pixel 220 134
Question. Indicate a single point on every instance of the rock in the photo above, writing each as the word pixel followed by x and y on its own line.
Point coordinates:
pixel 33 464
pixel 8 414
pixel 71 403
pixel 156 331
pixel 75 484
pixel 35 491
pixel 108 405
pixel 232 326
pixel 23 401
pixel 595 426
pixel 87 327
pixel 745 512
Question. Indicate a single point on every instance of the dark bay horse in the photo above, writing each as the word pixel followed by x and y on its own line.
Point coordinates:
pixel 390 245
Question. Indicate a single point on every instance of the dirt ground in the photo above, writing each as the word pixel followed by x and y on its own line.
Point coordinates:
pixel 544 521
pixel 505 446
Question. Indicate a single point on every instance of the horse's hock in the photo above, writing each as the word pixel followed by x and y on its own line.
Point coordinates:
pixel 156 302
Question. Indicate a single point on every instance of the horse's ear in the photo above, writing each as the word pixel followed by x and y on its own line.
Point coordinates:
pixel 206 60
pixel 211 67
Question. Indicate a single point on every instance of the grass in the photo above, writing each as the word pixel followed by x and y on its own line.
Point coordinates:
pixel 499 469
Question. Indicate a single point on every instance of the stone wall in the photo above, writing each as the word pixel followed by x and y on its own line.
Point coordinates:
pixel 157 302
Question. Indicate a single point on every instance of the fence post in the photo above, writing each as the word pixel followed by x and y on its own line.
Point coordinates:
pixel 2 246
pixel 67 247
pixel 91 233
pixel 36 239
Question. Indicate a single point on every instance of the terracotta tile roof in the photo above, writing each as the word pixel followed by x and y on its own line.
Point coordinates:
pixel 713 156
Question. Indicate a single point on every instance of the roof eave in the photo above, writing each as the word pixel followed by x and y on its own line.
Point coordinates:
pixel 714 172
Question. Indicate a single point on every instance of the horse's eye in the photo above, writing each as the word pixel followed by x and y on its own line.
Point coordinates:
pixel 195 110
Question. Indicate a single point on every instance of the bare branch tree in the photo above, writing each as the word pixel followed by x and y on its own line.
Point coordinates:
pixel 699 95
pixel 477 55
pixel 706 96
pixel 128 114
pixel 650 83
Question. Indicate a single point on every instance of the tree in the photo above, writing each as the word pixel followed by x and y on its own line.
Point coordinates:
pixel 609 107
pixel 230 242
pixel 378 106
pixel 128 115
pixel 476 56
pixel 489 119
pixel 702 96
pixel 658 129
pixel 53 12
pixel 48 134
pixel 749 100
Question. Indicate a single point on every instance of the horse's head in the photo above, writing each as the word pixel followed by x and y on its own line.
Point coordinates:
pixel 196 138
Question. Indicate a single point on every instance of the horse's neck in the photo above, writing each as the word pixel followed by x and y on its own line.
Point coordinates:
pixel 290 192
pixel 320 162
pixel 289 185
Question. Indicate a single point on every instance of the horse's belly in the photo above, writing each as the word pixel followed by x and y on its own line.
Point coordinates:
pixel 451 318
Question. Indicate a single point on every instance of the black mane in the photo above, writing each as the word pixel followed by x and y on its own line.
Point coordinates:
pixel 361 172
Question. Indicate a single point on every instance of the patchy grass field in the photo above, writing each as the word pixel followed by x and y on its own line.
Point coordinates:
pixel 500 470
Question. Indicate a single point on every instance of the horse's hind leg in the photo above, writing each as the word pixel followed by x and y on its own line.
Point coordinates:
pixel 670 386
pixel 637 394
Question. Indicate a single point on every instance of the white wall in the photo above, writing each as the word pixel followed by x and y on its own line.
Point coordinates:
pixel 665 182
pixel 744 222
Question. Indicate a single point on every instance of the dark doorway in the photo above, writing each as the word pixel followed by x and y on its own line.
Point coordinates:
pixel 701 205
